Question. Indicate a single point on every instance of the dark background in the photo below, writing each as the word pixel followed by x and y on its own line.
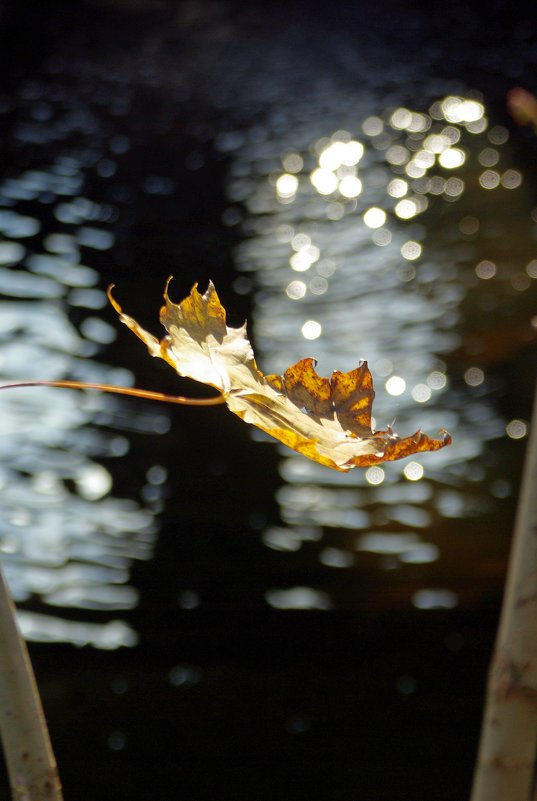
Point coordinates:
pixel 266 704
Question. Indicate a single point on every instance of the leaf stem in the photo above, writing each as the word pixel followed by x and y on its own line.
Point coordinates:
pixel 136 393
pixel 31 766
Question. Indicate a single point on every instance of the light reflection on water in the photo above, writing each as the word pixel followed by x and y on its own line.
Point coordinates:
pixel 368 241
pixel 65 539
pixel 368 237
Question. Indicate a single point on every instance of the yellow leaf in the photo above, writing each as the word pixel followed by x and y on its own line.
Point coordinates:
pixel 327 420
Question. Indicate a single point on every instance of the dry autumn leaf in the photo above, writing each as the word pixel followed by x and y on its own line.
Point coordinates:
pixel 327 420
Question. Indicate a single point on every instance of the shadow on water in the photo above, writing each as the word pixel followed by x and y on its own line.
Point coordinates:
pixel 292 629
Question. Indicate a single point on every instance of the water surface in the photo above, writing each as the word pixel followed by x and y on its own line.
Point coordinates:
pixel 356 189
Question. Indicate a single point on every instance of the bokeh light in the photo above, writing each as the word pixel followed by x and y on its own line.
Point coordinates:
pixel 490 179
pixel 485 270
pixel 397 188
pixel 375 475
pixel 406 208
pixel 531 268
pixel 474 376
pixel 516 429
pixel 324 181
pixel 373 126
pixel 511 179
pixel 488 157
pixel 350 186
pixel 460 110
pixel 292 162
pixel 333 156
pixel 411 250
pixel 311 329
pixel 296 290
pixel 451 158
pixel 318 285
pixel 421 393
pixel 395 385
pixel 397 155
pixel 287 185
pixel 302 259
pixel 413 471
pixel 374 217
pixel 437 380
pixel 454 187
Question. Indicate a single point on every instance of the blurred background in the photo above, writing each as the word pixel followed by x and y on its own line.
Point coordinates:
pixel 208 613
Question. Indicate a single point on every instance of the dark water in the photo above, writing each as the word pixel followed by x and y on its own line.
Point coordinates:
pixel 351 182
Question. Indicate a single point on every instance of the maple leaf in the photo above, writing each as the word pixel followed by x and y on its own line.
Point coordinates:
pixel 327 420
